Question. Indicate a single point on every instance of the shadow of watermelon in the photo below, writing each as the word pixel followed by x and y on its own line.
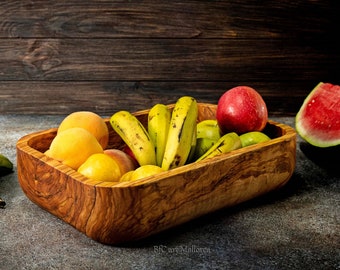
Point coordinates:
pixel 326 158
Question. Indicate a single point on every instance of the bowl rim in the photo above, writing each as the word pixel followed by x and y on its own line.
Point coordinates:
pixel 24 144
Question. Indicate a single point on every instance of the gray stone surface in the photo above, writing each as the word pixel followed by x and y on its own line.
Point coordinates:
pixel 296 227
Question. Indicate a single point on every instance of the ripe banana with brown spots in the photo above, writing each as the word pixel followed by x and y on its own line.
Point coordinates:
pixel 181 133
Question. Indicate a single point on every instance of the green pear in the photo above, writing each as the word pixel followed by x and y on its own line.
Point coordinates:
pixel 208 133
pixel 253 137
pixel 208 129
pixel 202 146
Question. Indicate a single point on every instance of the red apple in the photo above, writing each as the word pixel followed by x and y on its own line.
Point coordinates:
pixel 241 109
pixel 124 161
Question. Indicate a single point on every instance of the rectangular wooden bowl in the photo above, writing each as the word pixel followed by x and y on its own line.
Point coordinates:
pixel 112 213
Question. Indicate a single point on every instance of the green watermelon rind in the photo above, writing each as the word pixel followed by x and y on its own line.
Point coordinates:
pixel 308 133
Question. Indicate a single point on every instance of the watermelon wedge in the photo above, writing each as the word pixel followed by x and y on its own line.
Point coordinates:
pixel 318 120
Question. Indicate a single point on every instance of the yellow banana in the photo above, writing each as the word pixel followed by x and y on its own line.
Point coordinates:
pixel 182 126
pixel 158 128
pixel 6 166
pixel 226 143
pixel 134 134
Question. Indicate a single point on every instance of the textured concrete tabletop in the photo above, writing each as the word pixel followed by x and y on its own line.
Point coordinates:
pixel 296 227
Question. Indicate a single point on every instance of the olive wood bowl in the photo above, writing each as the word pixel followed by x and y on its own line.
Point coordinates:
pixel 113 212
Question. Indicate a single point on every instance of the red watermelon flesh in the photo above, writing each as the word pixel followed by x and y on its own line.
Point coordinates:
pixel 318 120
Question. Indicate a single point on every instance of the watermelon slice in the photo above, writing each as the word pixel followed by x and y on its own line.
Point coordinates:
pixel 318 120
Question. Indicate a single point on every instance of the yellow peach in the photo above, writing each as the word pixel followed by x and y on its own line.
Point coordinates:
pixel 145 171
pixel 126 176
pixel 100 167
pixel 73 146
pixel 90 121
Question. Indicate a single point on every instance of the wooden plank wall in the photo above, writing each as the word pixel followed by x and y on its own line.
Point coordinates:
pixel 60 56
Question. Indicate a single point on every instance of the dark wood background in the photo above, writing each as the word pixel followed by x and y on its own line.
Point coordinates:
pixel 61 56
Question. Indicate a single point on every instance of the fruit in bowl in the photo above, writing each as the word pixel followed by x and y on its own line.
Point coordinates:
pixel 90 121
pixel 208 133
pixel 100 167
pixel 145 171
pixel 73 146
pixel 241 109
pixel 125 162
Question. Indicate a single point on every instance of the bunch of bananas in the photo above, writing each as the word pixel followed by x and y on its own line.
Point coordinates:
pixel 174 138
pixel 168 139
